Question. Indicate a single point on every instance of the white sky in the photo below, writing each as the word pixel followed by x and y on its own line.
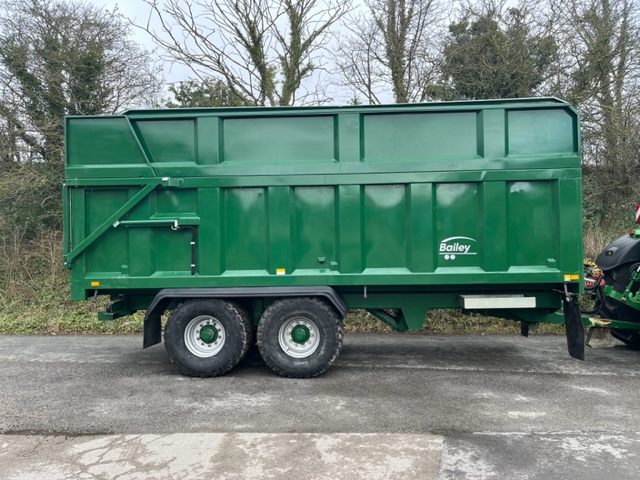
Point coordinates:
pixel 138 12
pixel 130 8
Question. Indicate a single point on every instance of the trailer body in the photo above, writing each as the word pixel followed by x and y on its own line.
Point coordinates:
pixel 408 207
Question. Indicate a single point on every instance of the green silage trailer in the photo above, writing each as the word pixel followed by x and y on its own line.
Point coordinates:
pixel 271 223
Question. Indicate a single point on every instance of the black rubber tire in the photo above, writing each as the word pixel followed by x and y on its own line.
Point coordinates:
pixel 630 338
pixel 619 278
pixel 328 327
pixel 238 334
pixel 251 339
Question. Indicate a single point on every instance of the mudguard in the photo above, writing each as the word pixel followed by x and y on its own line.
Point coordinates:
pixel 152 323
pixel 625 249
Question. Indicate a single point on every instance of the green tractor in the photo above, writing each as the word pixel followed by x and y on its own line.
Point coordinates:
pixel 615 287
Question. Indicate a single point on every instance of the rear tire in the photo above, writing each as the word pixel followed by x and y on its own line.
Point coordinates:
pixel 300 337
pixel 619 278
pixel 207 337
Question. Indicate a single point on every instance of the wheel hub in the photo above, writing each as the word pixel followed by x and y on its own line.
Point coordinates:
pixel 208 334
pixel 204 336
pixel 300 334
pixel 299 337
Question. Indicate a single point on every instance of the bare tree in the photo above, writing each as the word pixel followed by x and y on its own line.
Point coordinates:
pixel 262 50
pixel 600 73
pixel 392 45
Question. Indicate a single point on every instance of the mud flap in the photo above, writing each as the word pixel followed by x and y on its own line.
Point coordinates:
pixel 573 328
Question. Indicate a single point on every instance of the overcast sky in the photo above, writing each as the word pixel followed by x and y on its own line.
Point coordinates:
pixel 138 12
pixel 133 9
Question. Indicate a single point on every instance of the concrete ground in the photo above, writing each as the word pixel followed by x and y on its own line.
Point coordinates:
pixel 393 406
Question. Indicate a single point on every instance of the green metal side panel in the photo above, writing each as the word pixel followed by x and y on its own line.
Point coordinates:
pixel 426 196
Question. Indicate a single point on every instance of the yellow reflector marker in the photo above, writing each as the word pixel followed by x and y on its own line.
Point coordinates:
pixel 575 277
pixel 569 277
pixel 280 271
pixel 95 284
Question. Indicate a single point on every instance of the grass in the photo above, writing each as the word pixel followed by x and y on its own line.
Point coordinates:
pixel 595 239
pixel 63 317
pixel 79 318
pixel 34 292
pixel 446 321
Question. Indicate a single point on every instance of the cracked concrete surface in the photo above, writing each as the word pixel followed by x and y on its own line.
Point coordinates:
pixel 222 456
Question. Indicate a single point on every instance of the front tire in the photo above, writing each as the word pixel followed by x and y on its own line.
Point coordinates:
pixel 207 337
pixel 300 337
pixel 619 278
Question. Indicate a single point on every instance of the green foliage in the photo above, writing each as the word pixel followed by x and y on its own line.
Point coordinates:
pixel 488 57
pixel 29 199
pixel 445 322
pixel 602 79
pixel 57 58
pixel 209 93
pixel 34 291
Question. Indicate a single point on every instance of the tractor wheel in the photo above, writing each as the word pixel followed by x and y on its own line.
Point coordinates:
pixel 619 278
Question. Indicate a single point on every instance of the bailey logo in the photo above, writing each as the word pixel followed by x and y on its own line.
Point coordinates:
pixel 454 246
